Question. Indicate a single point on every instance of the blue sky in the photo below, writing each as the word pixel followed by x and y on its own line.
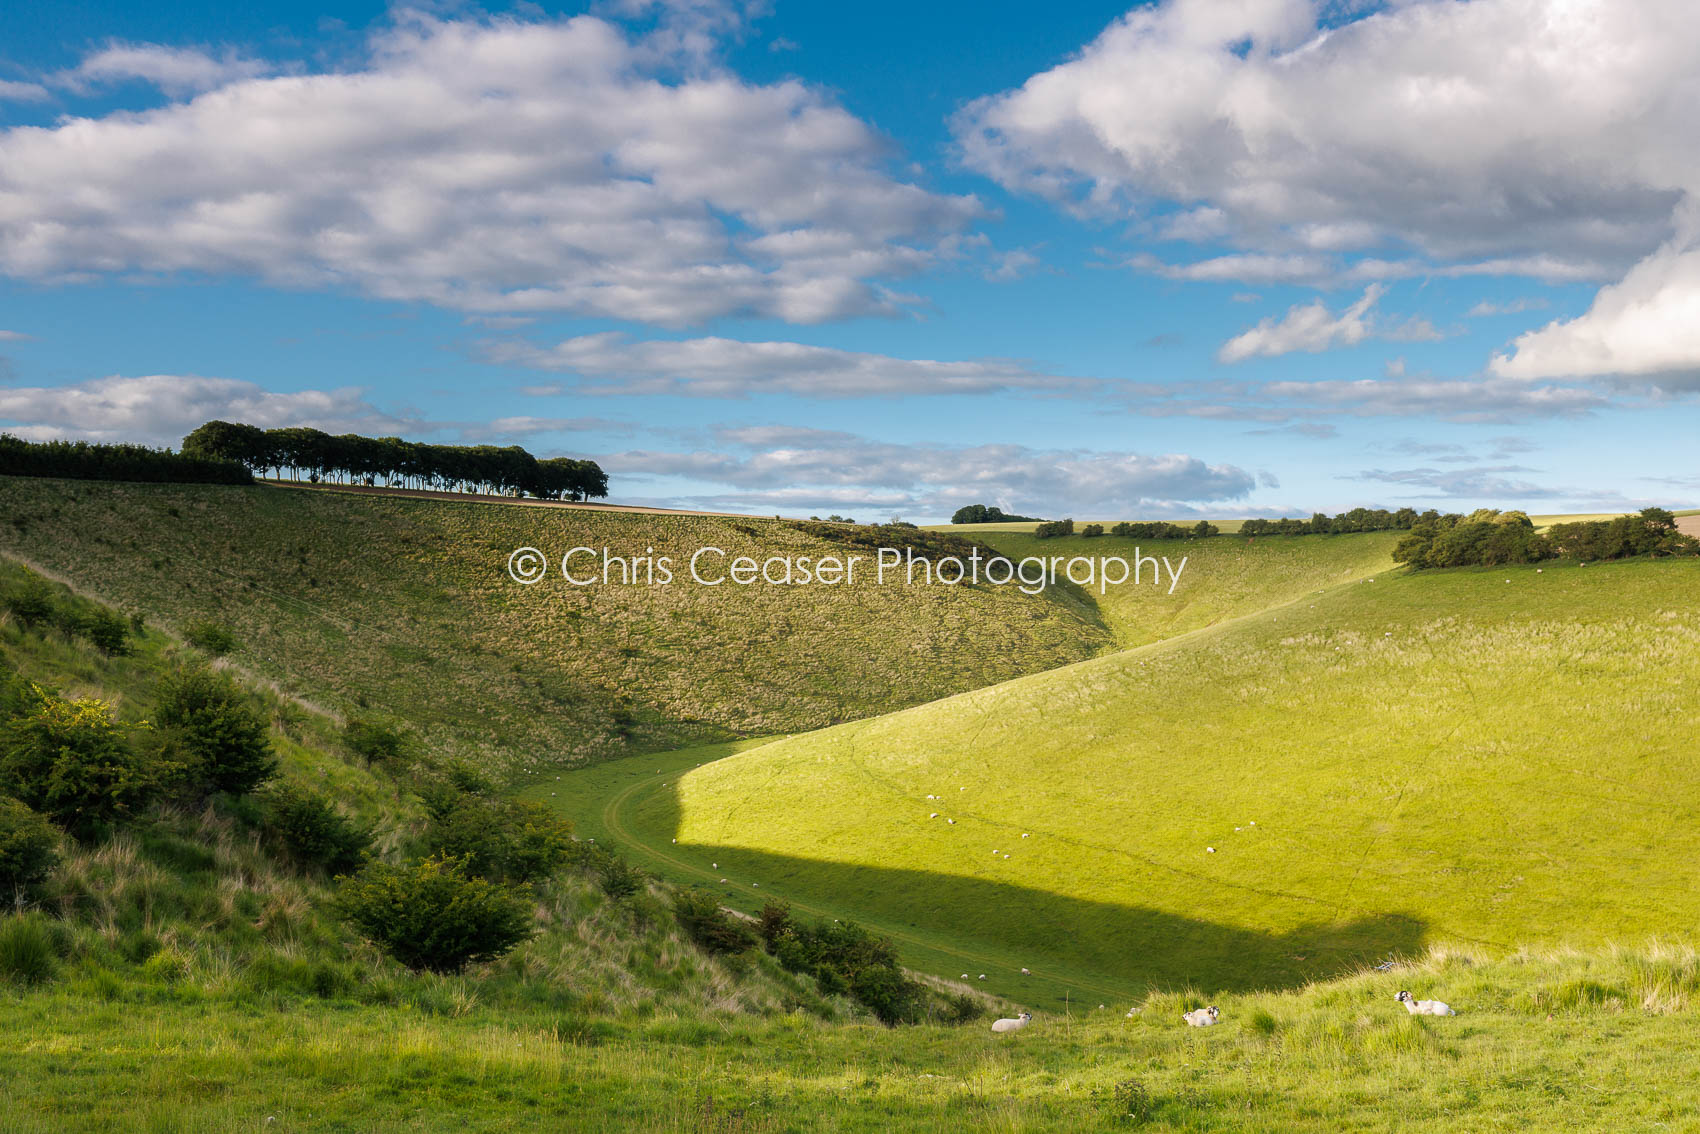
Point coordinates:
pixel 1200 257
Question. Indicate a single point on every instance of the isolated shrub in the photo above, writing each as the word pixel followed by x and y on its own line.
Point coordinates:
pixel 30 602
pixel 711 927
pixel 375 742
pixel 222 742
pixel 73 763
pixel 108 630
pixel 844 958
pixel 210 638
pixel 617 877
pixel 888 994
pixel 28 849
pixel 312 832
pixel 516 840
pixel 1091 530
pixel 961 1008
pixel 434 915
pixel 775 918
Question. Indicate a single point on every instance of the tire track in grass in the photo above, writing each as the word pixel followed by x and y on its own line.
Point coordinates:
pixel 614 824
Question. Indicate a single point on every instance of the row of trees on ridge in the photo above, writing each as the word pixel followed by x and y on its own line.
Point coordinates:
pixel 350 458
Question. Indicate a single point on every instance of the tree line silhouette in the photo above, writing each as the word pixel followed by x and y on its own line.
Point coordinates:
pixel 350 458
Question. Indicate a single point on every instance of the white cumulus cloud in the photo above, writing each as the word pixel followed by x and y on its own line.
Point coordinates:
pixel 159 409
pixel 497 166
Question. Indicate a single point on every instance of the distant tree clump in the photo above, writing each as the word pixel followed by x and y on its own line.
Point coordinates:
pixel 212 730
pixel 353 459
pixel 988 514
pixel 1091 530
pixel 1651 532
pixel 1357 520
pixel 1053 529
pixel 1159 529
pixel 82 460
pixel 1488 537
pixel 436 916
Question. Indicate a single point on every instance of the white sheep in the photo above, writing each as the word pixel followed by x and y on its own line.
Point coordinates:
pixel 934 815
pixel 952 822
pixel 1423 1007
pixel 982 976
pixel 1202 1017
pixel 1026 972
pixel 1015 1025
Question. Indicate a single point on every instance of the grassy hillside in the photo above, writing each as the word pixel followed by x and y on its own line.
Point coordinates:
pixel 1500 756
pixel 1223 576
pixel 404 608
pixel 1565 1041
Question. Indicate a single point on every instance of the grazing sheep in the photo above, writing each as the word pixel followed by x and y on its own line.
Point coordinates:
pixel 1423 1007
pixel 1026 972
pixel 1015 1025
pixel 1209 850
pixel 952 822
pixel 1202 1017
pixel 934 815
pixel 1024 834
pixel 982 976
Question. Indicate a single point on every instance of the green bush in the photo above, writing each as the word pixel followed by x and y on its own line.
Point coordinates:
pixel 312 832
pixel 434 915
pixel 844 958
pixel 73 763
pixel 210 638
pixel 1091 530
pixel 515 840
pixel 28 953
pixel 214 732
pixel 375 742
pixel 1053 529
pixel 28 848
pixel 109 631
pixel 30 602
pixel 711 927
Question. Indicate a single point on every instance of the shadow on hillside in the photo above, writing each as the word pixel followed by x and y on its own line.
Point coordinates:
pixel 1130 945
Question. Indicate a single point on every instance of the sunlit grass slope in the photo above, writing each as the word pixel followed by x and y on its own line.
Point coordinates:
pixel 1499 756
pixel 404 608
pixel 1223 576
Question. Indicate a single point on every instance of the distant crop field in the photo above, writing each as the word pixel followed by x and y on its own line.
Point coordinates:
pixel 1502 757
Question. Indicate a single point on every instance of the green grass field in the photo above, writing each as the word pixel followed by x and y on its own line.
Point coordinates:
pixel 1542 1041
pixel 403 608
pixel 1484 776
pixel 1500 757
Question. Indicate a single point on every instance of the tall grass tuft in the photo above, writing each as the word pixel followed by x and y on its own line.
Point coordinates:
pixel 28 949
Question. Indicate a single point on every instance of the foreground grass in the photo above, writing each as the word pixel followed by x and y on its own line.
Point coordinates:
pixel 404 609
pixel 1545 1041
pixel 1497 756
